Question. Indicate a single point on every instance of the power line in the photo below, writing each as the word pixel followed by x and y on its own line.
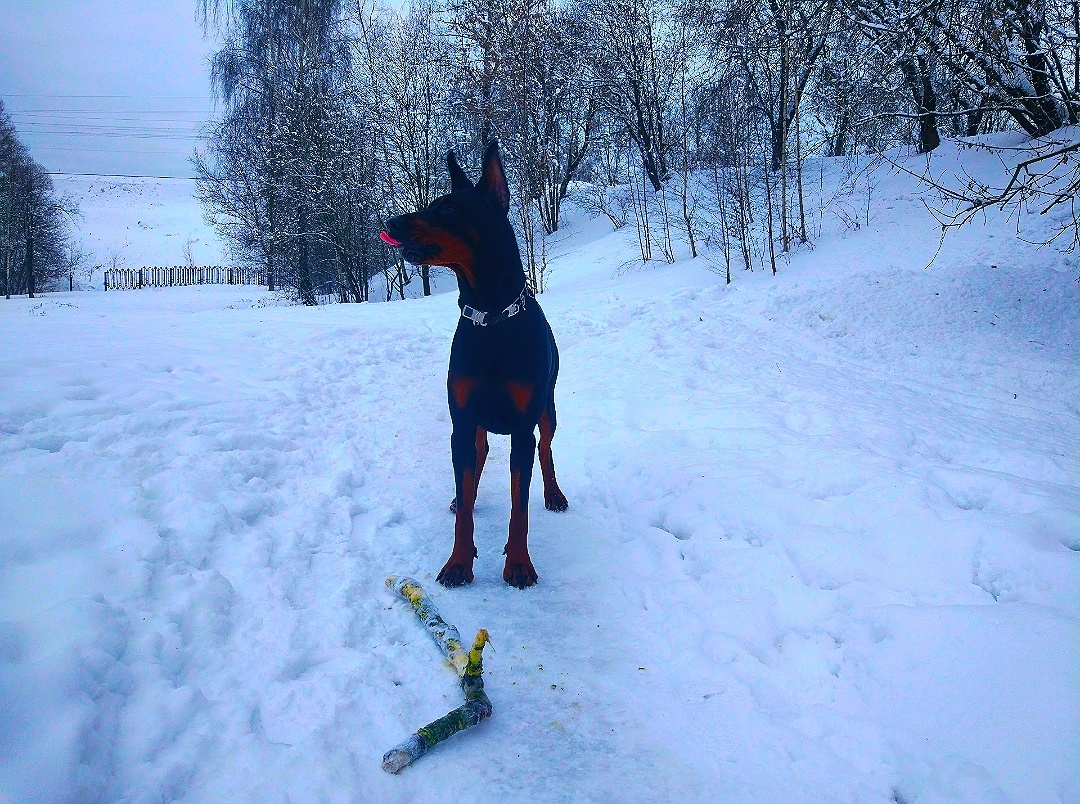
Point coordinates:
pixel 122 176
pixel 142 125
pixel 117 135
pixel 169 129
pixel 165 150
pixel 110 113
pixel 48 95
pixel 93 128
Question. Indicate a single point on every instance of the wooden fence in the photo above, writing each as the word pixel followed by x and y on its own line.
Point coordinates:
pixel 177 275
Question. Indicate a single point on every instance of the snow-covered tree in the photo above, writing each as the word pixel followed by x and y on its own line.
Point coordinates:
pixel 33 219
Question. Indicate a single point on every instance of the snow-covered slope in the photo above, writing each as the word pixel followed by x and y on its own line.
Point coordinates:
pixel 823 540
pixel 138 222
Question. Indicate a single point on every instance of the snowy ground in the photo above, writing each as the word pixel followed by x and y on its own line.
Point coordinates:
pixel 823 540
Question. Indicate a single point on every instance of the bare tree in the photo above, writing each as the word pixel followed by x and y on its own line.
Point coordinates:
pixel 189 251
pixel 1019 57
pixel 694 120
pixel 33 218
pixel 635 57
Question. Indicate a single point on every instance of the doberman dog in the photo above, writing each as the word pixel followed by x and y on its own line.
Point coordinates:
pixel 503 362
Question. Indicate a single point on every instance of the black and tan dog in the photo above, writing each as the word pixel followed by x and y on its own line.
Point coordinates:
pixel 503 363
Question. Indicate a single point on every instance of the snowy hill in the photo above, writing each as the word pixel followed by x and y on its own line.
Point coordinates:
pixel 823 540
pixel 139 222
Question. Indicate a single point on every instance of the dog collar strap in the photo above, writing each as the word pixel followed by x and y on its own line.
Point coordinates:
pixel 480 318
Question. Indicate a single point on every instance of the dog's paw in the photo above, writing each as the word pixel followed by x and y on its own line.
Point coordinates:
pixel 520 574
pixel 556 501
pixel 455 574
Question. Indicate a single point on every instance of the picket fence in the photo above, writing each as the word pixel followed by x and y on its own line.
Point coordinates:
pixel 177 275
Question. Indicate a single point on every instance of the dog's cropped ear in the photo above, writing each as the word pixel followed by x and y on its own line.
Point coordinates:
pixel 493 178
pixel 458 180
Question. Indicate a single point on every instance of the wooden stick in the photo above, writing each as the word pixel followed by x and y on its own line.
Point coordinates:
pixel 469 667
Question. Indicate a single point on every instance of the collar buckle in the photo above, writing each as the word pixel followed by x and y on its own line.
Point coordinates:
pixel 478 317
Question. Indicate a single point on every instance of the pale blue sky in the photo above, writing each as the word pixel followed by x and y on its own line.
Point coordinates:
pixel 106 87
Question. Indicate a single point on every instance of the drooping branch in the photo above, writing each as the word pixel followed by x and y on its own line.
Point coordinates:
pixel 1047 179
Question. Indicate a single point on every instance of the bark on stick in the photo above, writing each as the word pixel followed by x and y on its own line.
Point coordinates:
pixel 469 667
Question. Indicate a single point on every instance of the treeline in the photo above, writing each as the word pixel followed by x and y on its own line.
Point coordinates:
pixel 692 121
pixel 34 245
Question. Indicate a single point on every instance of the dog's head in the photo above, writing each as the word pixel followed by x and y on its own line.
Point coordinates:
pixel 466 230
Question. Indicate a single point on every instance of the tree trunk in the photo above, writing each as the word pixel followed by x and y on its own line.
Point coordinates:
pixel 769 212
pixel 778 146
pixel 652 169
pixel 307 292
pixel 30 260
pixel 838 147
pixel 917 76
pixel 799 177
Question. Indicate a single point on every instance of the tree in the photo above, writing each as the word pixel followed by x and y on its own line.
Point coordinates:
pixel 635 64
pixel 33 219
pixel 1020 57
pixel 267 178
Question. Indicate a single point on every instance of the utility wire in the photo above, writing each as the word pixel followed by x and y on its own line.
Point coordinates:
pixel 48 95
pixel 122 176
pixel 79 149
pixel 120 114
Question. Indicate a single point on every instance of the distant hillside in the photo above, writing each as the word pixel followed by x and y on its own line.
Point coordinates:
pixel 139 222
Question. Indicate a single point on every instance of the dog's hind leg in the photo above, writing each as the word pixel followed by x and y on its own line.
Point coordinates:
pixel 554 499
pixel 519 570
pixel 482 450
pixel 458 569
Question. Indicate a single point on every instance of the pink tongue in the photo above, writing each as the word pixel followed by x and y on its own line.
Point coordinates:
pixel 383 236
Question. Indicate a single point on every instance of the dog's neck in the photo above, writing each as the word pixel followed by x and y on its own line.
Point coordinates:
pixel 497 276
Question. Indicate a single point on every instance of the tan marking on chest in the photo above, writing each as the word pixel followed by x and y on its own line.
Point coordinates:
pixel 521 394
pixel 462 388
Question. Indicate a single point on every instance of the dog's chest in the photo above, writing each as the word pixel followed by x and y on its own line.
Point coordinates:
pixel 500 377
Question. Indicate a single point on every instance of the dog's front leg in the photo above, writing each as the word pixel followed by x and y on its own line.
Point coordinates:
pixel 458 570
pixel 519 570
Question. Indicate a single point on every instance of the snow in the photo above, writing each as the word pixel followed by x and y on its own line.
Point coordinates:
pixel 140 222
pixel 822 542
